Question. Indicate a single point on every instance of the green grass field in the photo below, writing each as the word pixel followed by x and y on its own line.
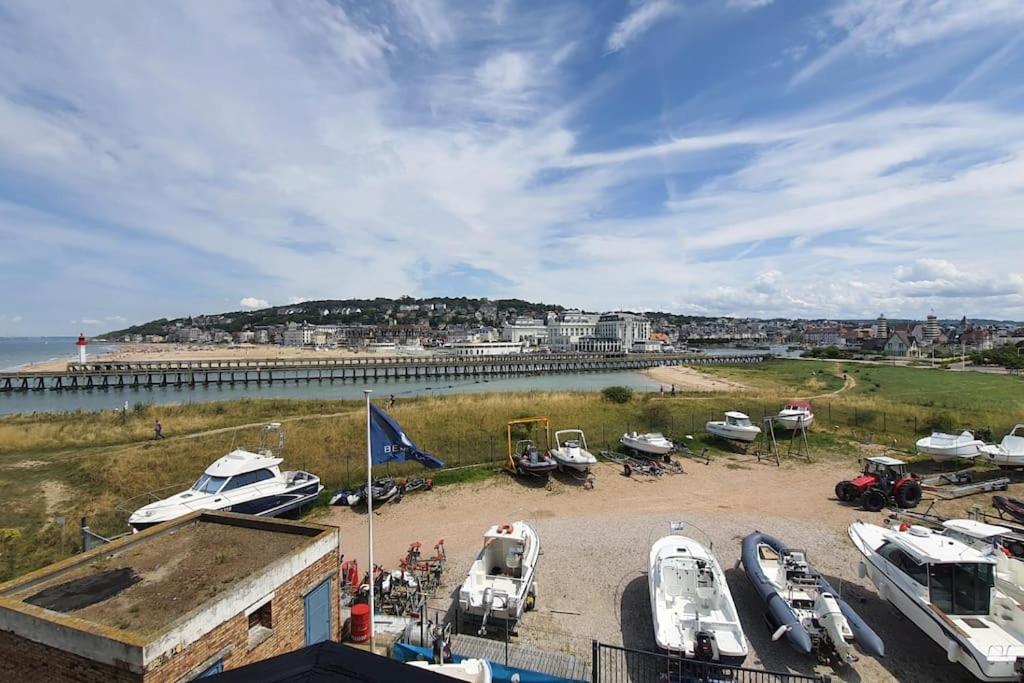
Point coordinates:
pixel 95 465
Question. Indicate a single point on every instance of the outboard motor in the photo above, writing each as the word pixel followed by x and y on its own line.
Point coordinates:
pixel 705 649
pixel 826 609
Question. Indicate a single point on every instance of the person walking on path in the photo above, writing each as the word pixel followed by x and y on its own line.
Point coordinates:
pixel 158 431
pixel 391 402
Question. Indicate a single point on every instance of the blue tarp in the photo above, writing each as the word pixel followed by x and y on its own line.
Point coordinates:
pixel 500 673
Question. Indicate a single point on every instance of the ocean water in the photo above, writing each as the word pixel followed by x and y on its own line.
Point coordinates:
pixel 17 352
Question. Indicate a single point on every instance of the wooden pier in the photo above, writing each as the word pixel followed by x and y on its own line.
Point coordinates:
pixel 214 372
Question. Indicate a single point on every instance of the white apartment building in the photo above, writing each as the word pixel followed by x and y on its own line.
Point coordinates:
pixel 624 328
pixel 566 331
pixel 529 331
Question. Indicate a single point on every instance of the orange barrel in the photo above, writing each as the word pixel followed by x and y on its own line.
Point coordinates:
pixel 360 623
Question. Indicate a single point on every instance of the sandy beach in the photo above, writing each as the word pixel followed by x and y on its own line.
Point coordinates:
pixel 690 379
pixel 142 352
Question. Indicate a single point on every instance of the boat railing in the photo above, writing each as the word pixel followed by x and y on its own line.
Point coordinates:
pixel 130 505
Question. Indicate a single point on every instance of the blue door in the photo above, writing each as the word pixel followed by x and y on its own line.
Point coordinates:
pixel 318 613
pixel 212 670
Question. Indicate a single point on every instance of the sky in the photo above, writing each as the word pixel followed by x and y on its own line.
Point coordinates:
pixel 707 157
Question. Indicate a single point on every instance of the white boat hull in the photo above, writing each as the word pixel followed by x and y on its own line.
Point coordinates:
pixel 945 447
pixel 678 616
pixel 579 462
pixel 795 421
pixel 993 666
pixel 471 670
pixel 732 432
pixel 646 446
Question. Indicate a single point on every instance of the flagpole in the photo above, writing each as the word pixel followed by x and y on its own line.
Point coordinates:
pixel 369 507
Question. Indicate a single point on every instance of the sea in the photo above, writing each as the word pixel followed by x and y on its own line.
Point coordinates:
pixel 17 352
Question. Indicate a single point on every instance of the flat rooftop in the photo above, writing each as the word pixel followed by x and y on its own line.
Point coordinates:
pixel 144 583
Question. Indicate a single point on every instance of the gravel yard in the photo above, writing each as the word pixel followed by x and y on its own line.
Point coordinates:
pixel 595 546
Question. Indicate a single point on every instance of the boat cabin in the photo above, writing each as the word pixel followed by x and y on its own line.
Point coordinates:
pixel 798 406
pixel 957 579
pixel 236 469
pixel 737 419
pixel 504 548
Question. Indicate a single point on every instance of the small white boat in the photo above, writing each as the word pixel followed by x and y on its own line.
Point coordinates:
pixel 241 481
pixel 941 447
pixel 691 605
pixel 500 583
pixel 570 451
pixel 472 670
pixel 794 415
pixel 735 427
pixel 1009 452
pixel 652 443
pixel 949 590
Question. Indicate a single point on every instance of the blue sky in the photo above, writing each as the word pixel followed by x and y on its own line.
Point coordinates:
pixel 719 157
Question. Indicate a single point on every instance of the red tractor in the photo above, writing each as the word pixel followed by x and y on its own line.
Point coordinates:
pixel 884 479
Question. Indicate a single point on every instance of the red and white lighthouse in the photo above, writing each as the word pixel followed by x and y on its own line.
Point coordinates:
pixel 81 344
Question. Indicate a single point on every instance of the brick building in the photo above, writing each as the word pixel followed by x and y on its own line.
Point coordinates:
pixel 204 593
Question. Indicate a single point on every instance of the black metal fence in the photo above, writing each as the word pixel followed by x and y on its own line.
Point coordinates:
pixel 614 664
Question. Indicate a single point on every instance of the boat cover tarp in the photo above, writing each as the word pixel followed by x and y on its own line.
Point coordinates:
pixel 404 652
pixel 329 662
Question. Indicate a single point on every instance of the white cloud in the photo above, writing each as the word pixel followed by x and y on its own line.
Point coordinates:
pixel 251 302
pixel 767 282
pixel 940 278
pixel 508 72
pixel 745 5
pixel 90 321
pixel 638 21
pixel 292 300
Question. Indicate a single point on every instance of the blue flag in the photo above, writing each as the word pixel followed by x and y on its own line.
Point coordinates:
pixel 388 443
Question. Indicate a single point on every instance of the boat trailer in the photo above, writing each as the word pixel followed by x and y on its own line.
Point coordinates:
pixel 967 489
pixel 648 466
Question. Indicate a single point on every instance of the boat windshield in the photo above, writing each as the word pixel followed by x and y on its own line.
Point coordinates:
pixel 208 484
pixel 961 588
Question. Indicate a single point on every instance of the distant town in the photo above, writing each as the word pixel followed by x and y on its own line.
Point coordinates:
pixel 468 327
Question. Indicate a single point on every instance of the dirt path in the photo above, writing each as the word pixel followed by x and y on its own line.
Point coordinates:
pixel 690 379
pixel 592 574
pixel 849 382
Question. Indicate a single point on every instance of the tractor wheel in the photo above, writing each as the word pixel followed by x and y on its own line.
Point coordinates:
pixel 908 495
pixel 874 500
pixel 846 491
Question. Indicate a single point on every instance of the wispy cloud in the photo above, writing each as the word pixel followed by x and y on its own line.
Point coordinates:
pixel 338 149
pixel 640 19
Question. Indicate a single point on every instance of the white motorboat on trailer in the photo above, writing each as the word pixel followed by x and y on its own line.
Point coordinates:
pixel 949 590
pixel 692 608
pixel 942 447
pixel 241 481
pixel 794 415
pixel 570 451
pixel 652 443
pixel 1009 452
pixel 802 605
pixel 500 584
pixel 735 427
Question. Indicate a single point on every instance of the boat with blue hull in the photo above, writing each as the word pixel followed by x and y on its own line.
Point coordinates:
pixel 246 482
pixel 802 605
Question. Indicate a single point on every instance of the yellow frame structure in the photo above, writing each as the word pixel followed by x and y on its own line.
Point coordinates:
pixel 511 464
